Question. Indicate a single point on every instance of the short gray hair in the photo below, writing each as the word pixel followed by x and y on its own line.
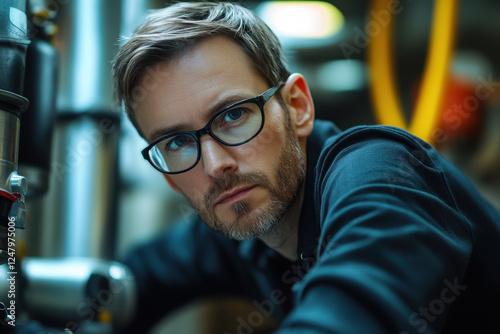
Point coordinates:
pixel 175 29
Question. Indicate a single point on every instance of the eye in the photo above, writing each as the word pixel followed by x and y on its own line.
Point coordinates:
pixel 235 117
pixel 179 142
pixel 232 115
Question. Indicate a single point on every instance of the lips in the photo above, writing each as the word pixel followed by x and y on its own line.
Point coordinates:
pixel 234 195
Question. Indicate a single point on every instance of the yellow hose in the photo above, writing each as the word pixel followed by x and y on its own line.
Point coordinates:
pixel 384 95
pixel 380 59
pixel 433 87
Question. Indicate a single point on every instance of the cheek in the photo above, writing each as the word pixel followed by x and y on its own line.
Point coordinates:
pixel 191 184
pixel 266 146
pixel 258 148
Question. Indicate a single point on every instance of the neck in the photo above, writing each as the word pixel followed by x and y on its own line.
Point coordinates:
pixel 283 238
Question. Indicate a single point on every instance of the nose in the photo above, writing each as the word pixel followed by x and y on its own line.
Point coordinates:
pixel 216 158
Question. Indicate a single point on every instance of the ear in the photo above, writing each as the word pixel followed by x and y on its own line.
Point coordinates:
pixel 298 98
pixel 172 183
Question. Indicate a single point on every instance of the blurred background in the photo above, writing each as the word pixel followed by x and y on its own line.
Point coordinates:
pixel 92 195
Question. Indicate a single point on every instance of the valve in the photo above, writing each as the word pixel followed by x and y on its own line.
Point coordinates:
pixel 19 187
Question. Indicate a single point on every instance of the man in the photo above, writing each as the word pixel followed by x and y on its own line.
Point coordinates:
pixel 363 231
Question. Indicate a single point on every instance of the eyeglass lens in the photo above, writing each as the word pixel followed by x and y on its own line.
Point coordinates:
pixel 232 127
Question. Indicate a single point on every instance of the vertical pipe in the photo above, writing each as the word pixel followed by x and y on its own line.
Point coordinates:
pixel 79 215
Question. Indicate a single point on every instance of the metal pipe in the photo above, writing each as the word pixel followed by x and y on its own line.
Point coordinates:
pixel 79 211
pixel 72 291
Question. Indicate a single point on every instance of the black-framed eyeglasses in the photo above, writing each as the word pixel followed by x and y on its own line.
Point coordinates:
pixel 232 126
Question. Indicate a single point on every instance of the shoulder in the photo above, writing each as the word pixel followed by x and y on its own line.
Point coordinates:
pixel 384 156
pixel 385 140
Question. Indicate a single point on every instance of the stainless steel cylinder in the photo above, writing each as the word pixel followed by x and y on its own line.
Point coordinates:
pixel 79 210
pixel 9 143
pixel 87 43
pixel 79 216
pixel 72 291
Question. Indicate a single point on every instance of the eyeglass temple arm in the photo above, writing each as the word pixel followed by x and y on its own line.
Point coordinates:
pixel 267 95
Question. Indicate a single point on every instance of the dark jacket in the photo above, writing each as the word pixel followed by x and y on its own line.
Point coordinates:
pixel 392 239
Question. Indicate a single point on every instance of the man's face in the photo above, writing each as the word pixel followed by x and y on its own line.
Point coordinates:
pixel 240 191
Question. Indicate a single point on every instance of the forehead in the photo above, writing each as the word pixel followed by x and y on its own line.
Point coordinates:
pixel 181 90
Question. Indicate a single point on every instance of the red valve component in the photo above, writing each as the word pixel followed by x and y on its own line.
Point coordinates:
pixel 10 196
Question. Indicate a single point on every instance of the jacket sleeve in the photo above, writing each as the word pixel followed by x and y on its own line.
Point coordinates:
pixel 393 249
pixel 185 263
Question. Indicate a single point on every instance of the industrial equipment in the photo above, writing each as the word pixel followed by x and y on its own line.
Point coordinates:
pixel 77 288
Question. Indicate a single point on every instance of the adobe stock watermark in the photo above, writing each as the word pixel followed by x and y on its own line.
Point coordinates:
pixel 377 21
pixel 406 168
pixel 459 112
pixel 11 263
pixel 75 155
pixel 267 307
pixel 427 314
pixel 264 308
pixel 153 75
pixel 455 116
pixel 90 308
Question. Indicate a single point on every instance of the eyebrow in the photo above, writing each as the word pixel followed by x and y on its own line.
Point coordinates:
pixel 219 106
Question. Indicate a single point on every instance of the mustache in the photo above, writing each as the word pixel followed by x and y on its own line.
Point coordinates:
pixel 230 181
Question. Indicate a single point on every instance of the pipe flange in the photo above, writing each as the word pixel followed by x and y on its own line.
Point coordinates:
pixel 19 103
